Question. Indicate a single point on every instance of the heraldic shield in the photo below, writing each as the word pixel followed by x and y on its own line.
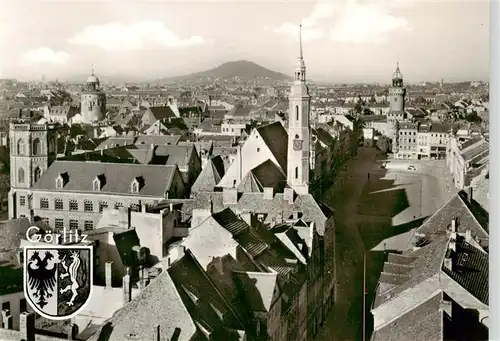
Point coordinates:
pixel 58 279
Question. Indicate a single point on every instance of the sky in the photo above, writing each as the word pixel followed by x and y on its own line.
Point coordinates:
pixel 343 41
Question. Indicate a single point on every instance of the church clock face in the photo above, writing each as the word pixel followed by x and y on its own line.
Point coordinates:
pixel 297 144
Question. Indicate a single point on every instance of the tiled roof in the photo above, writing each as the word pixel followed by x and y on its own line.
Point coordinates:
pixel 162 112
pixel 113 142
pixel 156 179
pixel 457 207
pixel 157 140
pixel 269 175
pixel 209 176
pixel 276 138
pixel 254 202
pixel 421 323
pixel 205 305
pixel 471 272
pixel 173 155
pixel 138 319
pixel 250 184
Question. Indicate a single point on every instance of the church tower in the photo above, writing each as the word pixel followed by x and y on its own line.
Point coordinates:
pixel 298 128
pixel 32 149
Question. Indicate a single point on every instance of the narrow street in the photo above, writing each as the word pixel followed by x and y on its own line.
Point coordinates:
pixel 368 210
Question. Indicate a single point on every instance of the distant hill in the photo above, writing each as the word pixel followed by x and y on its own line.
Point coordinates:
pixel 242 69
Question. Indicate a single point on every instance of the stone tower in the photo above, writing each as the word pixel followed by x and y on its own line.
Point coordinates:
pixel 397 92
pixel 32 149
pixel 298 129
pixel 93 100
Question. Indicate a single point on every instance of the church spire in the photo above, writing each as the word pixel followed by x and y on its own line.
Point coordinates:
pixel 93 70
pixel 300 70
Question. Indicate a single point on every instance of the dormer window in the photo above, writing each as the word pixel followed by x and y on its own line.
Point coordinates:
pixel 99 182
pixel 62 180
pixel 137 184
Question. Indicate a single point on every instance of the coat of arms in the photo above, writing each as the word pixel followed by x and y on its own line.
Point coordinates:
pixel 58 279
pixel 297 144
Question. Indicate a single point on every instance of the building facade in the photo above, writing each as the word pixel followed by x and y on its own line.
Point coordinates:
pixel 93 100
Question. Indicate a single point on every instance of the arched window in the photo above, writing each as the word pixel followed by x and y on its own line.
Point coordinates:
pixel 37 147
pixel 20 146
pixel 38 173
pixel 297 136
pixel 297 112
pixel 20 175
pixel 296 172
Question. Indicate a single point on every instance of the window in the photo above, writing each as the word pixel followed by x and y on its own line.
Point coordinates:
pixel 89 225
pixel 135 207
pixel 73 224
pixel 20 146
pixel 22 200
pixel 58 204
pixel 37 147
pixel 37 174
pixel 59 183
pixel 22 305
pixel 88 206
pixel 102 206
pixel 73 205
pixel 296 172
pixel 20 175
pixel 297 112
pixel 118 205
pixel 59 224
pixel 258 150
pixel 44 203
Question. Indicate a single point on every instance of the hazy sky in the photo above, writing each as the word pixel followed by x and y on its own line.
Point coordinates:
pixel 343 40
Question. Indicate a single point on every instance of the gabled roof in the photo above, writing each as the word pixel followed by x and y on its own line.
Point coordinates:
pixel 209 176
pixel 276 139
pixel 161 113
pixel 157 178
pixel 250 184
pixel 267 174
pixel 259 288
pixel 157 140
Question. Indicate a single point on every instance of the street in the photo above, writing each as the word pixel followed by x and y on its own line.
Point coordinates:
pixel 369 209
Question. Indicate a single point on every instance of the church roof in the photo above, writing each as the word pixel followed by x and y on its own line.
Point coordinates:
pixel 276 138
pixel 269 175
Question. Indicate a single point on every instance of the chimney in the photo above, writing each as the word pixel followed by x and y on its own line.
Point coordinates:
pixel 229 196
pixel 469 194
pixel 454 225
pixel 268 193
pixel 127 287
pixel 156 333
pixel 171 207
pixel 108 272
pixel 6 322
pixel 27 326
pixel 468 236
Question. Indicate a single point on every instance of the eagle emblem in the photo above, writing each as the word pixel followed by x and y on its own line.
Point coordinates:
pixel 58 279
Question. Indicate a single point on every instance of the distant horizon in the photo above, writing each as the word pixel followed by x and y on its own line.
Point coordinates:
pixel 344 41
pixel 144 79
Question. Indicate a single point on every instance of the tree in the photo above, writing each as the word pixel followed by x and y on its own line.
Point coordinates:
pixel 473 117
pixel 358 108
pixel 383 144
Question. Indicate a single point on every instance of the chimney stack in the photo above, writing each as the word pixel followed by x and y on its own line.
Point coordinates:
pixel 6 322
pixel 108 273
pixel 452 246
pixel 454 225
pixel 27 326
pixel 468 236
pixel 127 287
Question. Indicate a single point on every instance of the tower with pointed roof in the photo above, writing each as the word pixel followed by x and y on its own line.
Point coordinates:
pixel 397 92
pixel 93 100
pixel 298 128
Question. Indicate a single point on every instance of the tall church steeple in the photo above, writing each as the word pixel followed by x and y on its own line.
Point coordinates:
pixel 298 128
pixel 397 91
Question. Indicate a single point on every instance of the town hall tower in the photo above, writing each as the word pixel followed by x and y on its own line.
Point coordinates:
pixel 298 129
